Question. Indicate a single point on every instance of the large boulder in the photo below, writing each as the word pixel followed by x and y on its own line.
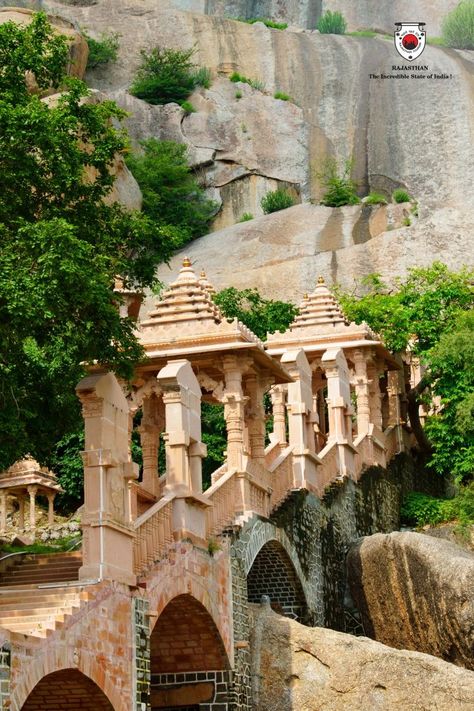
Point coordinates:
pixel 310 669
pixel 415 592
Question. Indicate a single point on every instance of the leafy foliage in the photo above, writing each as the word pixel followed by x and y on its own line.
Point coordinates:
pixel 246 217
pixel 166 75
pixel 61 246
pixel 276 200
pixel 332 23
pixel 340 188
pixel 103 50
pixel 171 193
pixel 261 315
pixel 399 196
pixel 188 107
pixel 458 26
pixel 421 509
pixel 431 311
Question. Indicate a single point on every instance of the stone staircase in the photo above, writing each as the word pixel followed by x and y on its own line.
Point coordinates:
pixel 38 592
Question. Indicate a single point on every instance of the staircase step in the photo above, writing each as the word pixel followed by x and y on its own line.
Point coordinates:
pixel 38 611
pixel 57 614
pixel 38 601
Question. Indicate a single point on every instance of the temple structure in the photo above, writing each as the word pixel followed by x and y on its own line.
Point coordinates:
pixel 23 482
pixel 158 615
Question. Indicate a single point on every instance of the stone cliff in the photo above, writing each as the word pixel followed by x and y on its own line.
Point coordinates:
pixel 412 133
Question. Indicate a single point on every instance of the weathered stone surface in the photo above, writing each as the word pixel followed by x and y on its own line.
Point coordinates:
pixel 339 111
pixel 416 592
pixel 297 667
pixel 78 49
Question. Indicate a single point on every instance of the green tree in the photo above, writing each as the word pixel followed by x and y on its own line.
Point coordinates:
pixel 60 245
pixel 340 188
pixel 429 311
pixel 171 192
pixel 261 315
pixel 166 75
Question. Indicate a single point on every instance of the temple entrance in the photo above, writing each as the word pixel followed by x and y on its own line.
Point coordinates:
pixel 70 689
pixel 273 574
pixel 189 665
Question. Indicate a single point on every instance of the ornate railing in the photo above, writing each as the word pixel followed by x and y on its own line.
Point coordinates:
pixel 154 532
pixel 329 470
pixel 222 496
pixel 281 480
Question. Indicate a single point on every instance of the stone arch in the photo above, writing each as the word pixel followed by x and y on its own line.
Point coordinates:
pixel 272 567
pixel 188 660
pixel 68 688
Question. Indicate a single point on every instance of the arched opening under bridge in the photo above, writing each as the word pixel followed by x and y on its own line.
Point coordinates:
pixel 273 574
pixel 189 664
pixel 67 689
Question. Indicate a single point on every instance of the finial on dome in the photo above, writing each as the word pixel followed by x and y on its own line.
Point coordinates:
pixel 186 262
pixel 203 274
pixel 320 279
pixel 305 296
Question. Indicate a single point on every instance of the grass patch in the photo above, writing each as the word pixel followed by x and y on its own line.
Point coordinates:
pixel 362 33
pixel 375 199
pixel 254 83
pixel 238 94
pixel 399 195
pixel 421 509
pixel 340 188
pixel 268 23
pixel 458 26
pixel 436 41
pixel 246 217
pixel 332 23
pixel 282 96
pixel 62 544
pixel 406 222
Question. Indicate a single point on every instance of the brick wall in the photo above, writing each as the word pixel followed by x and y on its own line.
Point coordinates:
pixel 5 659
pixel 272 574
pixel 69 690
pixel 141 653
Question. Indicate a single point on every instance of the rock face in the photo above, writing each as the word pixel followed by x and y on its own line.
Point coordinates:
pixel 309 669
pixel 416 592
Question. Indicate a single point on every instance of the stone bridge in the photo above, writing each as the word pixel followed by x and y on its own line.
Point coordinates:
pixel 158 615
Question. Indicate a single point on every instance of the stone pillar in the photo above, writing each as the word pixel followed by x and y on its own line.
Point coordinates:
pixel 150 430
pixel 51 498
pixel 21 512
pixel 362 392
pixel 300 407
pixel 340 409
pixel 375 396
pixel 3 510
pixel 278 396
pixel 256 419
pixel 234 409
pixel 393 391
pixel 106 522
pixel 184 449
pixel 32 493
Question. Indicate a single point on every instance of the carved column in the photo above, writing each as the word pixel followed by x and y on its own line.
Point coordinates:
pixel 234 408
pixel 393 390
pixel 278 397
pixel 3 510
pixel 51 498
pixel 256 420
pixel 150 430
pixel 32 493
pixel 340 409
pixel 375 396
pixel 178 477
pixel 362 392
pixel 21 512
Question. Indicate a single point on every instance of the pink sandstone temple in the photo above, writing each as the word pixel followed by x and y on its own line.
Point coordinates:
pixel 155 611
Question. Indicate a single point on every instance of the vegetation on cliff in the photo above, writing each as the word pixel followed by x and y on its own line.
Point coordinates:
pixel 458 26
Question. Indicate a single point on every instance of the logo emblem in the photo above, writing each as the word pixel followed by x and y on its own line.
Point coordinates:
pixel 410 39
